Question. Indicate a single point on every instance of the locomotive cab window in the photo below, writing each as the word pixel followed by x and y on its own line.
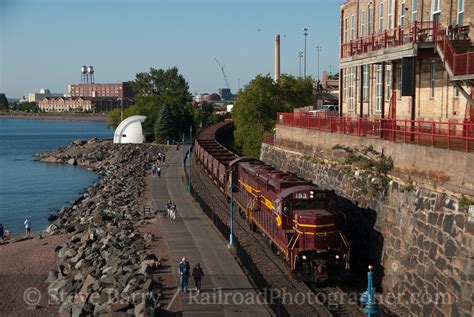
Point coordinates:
pixel 302 204
pixel 287 208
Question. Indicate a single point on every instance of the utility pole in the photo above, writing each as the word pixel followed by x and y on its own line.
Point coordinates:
pixel 231 206
pixel 189 156
pixel 300 56
pixel 305 35
pixel 318 49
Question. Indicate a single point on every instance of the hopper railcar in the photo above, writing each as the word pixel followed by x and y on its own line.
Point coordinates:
pixel 296 216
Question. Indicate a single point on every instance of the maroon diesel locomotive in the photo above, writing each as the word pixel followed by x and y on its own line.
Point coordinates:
pixel 295 215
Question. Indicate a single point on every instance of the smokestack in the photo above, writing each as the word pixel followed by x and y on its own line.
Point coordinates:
pixel 277 57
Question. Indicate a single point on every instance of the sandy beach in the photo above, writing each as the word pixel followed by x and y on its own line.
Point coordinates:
pixel 24 267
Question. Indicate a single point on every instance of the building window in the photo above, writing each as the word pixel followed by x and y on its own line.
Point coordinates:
pixel 381 17
pixel 365 85
pixel 461 12
pixel 388 84
pixel 389 20
pixel 433 78
pixel 344 90
pixel 414 11
pixel 362 24
pixel 436 10
pixel 351 88
pixel 369 19
pixel 378 89
pixel 400 82
pixel 345 30
pixel 456 92
pixel 352 27
pixel 402 14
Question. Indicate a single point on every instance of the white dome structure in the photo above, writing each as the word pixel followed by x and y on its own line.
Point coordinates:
pixel 130 130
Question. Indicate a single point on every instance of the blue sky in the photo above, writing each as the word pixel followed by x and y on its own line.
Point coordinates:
pixel 43 43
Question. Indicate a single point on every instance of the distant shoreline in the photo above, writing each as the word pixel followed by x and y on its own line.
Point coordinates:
pixel 55 116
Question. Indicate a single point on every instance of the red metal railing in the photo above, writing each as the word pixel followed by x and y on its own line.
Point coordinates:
pixel 460 64
pixel 410 33
pixel 449 135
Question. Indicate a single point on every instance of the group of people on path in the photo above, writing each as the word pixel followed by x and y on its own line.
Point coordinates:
pixel 171 210
pixel 156 168
pixel 184 270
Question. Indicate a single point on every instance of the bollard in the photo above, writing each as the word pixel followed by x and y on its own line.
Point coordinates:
pixel 367 298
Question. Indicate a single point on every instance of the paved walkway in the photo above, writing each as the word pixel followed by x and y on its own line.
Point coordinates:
pixel 226 290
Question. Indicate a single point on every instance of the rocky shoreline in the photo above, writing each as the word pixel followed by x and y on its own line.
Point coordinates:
pixel 105 267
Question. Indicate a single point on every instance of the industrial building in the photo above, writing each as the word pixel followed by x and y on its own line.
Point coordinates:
pixel 88 96
pixel 117 90
pixel 407 59
pixel 36 97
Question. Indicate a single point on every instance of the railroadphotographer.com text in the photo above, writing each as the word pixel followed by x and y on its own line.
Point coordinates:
pixel 332 300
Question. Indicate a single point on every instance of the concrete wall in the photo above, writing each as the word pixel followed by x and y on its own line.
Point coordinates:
pixel 421 245
pixel 432 167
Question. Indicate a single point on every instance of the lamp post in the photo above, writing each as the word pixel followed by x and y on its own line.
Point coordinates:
pixel 121 109
pixel 370 306
pixel 305 35
pixel 300 56
pixel 318 49
pixel 231 206
pixel 183 148
pixel 189 157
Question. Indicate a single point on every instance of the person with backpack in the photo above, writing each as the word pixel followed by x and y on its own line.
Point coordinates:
pixel 183 274
pixel 198 274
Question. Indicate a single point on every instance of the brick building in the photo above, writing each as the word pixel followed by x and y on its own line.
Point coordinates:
pixel 117 90
pixel 407 59
pixel 82 104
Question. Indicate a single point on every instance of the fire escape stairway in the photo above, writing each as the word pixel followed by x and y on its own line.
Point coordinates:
pixel 458 59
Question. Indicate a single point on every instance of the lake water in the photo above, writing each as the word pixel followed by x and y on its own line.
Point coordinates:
pixel 34 189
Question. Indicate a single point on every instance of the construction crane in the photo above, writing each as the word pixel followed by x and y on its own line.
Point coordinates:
pixel 223 73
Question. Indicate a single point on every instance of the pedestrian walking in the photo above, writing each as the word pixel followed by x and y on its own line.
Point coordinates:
pixel 2 233
pixel 177 146
pixel 27 227
pixel 158 171
pixel 184 274
pixel 173 212
pixel 153 169
pixel 164 158
pixel 168 209
pixel 198 274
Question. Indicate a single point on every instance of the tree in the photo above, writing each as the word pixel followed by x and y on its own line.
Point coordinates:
pixel 3 102
pixel 164 125
pixel 256 107
pixel 26 107
pixel 154 89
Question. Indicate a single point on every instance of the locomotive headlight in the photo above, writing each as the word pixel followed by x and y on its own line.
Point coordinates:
pixel 311 192
pixel 303 257
pixel 337 256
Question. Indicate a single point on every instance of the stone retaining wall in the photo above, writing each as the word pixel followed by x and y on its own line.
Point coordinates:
pixel 420 240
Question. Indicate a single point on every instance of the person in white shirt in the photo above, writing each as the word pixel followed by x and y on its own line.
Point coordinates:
pixel 27 227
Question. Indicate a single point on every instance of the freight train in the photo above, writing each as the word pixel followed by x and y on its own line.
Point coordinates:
pixel 296 217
